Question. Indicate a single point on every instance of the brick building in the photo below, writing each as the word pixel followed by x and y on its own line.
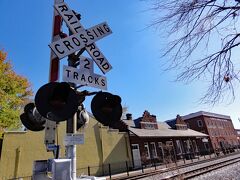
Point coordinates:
pixel 222 134
pixel 238 136
pixel 157 142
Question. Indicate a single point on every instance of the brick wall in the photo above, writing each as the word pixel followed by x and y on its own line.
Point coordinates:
pixel 221 131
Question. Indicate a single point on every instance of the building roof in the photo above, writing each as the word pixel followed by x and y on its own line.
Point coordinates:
pixel 130 123
pixel 203 113
pixel 171 123
pixel 164 130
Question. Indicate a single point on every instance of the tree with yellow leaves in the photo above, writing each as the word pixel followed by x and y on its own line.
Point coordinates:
pixel 15 90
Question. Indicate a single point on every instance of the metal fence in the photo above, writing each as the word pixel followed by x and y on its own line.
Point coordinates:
pixel 125 168
pixel 106 169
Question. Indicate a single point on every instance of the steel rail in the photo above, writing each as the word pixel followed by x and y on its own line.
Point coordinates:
pixel 190 173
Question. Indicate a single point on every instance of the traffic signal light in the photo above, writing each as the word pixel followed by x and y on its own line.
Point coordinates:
pixel 106 108
pixel 57 101
pixel 31 119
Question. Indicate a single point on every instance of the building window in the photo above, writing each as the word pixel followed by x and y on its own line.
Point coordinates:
pixel 135 146
pixel 187 146
pixel 195 145
pixel 210 132
pixel 213 133
pixel 153 149
pixel 179 147
pixel 161 152
pixel 146 150
pixel 149 126
pixel 206 146
pixel 200 123
pixel 169 143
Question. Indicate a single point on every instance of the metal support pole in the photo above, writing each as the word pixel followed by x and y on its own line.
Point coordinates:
pixel 142 168
pixel 174 151
pixel 110 172
pixel 89 172
pixel 154 163
pixel 127 168
pixel 71 149
pixel 50 126
pixel 71 129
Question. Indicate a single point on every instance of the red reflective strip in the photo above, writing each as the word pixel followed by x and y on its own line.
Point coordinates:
pixel 54 69
pixel 54 64
pixel 57 25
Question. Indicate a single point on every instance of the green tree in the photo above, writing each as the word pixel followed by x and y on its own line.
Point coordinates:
pixel 203 38
pixel 15 90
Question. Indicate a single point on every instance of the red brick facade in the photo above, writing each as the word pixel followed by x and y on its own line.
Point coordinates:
pixel 148 121
pixel 167 149
pixel 150 147
pixel 219 128
pixel 238 136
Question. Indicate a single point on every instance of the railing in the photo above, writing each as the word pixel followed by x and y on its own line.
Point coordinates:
pixel 125 168
pixel 128 167
pixel 107 169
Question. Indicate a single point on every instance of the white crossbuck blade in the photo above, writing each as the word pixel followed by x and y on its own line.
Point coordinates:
pixel 76 42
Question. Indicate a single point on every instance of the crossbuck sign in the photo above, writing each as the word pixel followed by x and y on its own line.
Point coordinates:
pixel 80 39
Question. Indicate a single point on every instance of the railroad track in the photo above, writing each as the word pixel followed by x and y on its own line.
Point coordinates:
pixel 203 170
pixel 187 171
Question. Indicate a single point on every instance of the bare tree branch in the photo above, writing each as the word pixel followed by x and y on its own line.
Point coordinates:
pixel 203 36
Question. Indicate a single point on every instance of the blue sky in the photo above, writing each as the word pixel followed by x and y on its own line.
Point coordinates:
pixel 132 49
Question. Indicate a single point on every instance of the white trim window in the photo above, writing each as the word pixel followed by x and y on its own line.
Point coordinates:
pixel 153 149
pixel 187 146
pixel 206 146
pixel 195 145
pixel 160 146
pixel 146 150
pixel 199 123
pixel 179 147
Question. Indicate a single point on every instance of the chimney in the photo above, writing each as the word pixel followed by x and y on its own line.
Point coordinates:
pixel 129 116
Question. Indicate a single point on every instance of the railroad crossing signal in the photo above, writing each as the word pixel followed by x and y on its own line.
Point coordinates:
pixel 81 38
pixel 56 101
pixel 59 101
pixel 75 26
